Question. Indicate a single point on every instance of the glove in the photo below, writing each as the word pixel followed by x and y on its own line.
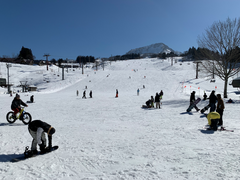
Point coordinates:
pixel 42 148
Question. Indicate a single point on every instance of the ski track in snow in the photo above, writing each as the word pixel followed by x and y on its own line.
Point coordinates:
pixel 114 138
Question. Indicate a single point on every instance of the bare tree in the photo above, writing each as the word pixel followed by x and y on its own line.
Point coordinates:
pixel 220 44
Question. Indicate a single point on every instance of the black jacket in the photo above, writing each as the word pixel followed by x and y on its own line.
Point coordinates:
pixel 192 97
pixel 212 98
pixel 16 103
pixel 34 125
pixel 157 98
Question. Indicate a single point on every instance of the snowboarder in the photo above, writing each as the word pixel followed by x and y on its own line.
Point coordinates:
pixel 32 99
pixel 37 129
pixel 157 100
pixel 161 94
pixel 84 94
pixel 212 101
pixel 16 105
pixel 138 92
pixel 192 99
pixel 116 93
pixel 220 108
pixel 148 103
pixel 213 119
pixel 90 94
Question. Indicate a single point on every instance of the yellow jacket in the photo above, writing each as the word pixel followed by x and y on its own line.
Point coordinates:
pixel 212 115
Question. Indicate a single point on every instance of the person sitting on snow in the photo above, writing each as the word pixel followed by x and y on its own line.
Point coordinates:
pixel 37 129
pixel 32 99
pixel 213 119
pixel 16 105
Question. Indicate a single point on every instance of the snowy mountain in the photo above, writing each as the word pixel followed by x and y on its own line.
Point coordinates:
pixel 152 49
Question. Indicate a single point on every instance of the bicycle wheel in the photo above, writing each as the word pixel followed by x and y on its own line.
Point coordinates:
pixel 27 118
pixel 10 117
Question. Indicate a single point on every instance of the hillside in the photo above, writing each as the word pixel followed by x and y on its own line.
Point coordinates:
pixel 151 49
pixel 114 138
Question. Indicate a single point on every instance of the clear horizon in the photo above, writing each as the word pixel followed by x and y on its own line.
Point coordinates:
pixel 101 28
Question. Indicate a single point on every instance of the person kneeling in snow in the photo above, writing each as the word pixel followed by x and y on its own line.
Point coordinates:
pixel 213 118
pixel 37 129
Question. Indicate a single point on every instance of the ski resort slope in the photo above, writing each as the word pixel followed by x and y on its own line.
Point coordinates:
pixel 112 138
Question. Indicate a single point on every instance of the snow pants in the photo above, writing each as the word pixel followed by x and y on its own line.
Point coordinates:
pixel 214 124
pixel 212 107
pixel 158 105
pixel 34 141
pixel 220 111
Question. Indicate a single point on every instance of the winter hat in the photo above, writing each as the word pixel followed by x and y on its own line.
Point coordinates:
pixel 51 131
pixel 17 95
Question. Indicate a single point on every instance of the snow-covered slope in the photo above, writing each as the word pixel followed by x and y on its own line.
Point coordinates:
pixel 112 138
pixel 152 49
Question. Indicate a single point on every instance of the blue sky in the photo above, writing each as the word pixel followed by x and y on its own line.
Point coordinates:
pixel 101 28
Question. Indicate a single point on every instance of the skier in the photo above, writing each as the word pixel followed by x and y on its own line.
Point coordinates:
pixel 84 94
pixel 32 99
pixel 37 129
pixel 220 108
pixel 16 106
pixel 138 92
pixel 157 100
pixel 77 92
pixel 116 93
pixel 213 119
pixel 192 100
pixel 212 101
pixel 90 94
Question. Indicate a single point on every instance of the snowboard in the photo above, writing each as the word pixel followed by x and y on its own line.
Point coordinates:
pixel 205 108
pixel 193 104
pixel 22 156
pixel 146 107
pixel 219 129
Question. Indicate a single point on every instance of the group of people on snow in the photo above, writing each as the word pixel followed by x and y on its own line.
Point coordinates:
pixel 84 94
pixel 157 100
pixel 216 111
pixel 36 128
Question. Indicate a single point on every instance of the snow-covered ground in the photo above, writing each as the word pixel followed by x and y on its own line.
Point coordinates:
pixel 114 138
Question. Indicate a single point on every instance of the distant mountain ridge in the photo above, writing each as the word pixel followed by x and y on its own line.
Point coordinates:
pixel 152 49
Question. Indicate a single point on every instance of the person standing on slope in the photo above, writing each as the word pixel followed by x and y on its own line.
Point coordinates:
pixel 37 129
pixel 192 100
pixel 212 101
pixel 220 108
pixel 157 100
pixel 84 94
pixel 116 93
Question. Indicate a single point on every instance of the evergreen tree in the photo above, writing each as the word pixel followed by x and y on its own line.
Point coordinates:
pixel 26 53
